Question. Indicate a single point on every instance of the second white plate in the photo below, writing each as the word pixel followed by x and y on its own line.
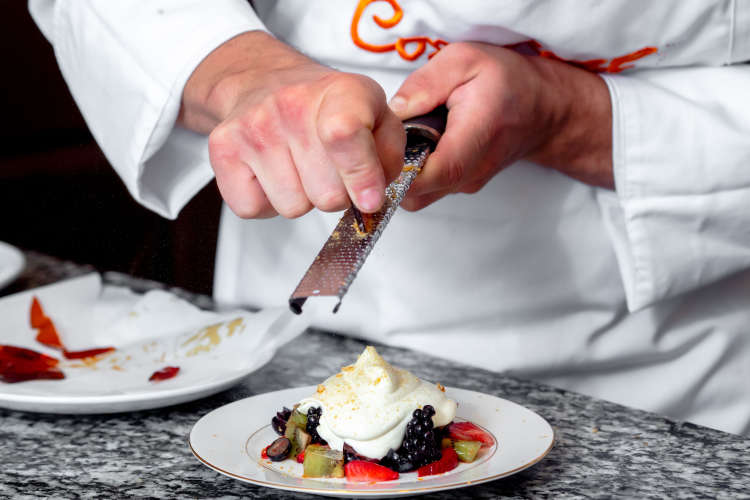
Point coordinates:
pixel 230 439
pixel 213 350
pixel 11 263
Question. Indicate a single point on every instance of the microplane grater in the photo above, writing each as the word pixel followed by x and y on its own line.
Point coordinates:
pixel 345 251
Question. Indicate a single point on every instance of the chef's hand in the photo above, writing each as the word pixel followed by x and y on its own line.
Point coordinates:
pixel 504 107
pixel 288 134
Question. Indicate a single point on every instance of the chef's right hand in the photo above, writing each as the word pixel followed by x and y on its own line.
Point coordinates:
pixel 288 134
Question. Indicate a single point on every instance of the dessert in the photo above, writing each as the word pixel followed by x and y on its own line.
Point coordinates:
pixel 371 422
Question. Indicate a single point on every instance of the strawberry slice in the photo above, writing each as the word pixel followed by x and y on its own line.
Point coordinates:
pixel 264 453
pixel 466 431
pixel 448 461
pixel 301 457
pixel 360 471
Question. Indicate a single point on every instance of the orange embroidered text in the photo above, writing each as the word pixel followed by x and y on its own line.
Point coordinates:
pixel 411 48
pixel 401 45
pixel 614 65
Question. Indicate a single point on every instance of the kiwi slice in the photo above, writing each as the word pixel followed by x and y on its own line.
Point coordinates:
pixel 303 438
pixel 291 434
pixel 467 450
pixel 299 419
pixel 321 461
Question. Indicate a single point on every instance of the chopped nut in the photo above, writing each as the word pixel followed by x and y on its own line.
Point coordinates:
pixel 321 388
pixel 441 386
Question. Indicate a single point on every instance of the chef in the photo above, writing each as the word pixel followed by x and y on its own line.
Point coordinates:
pixel 583 221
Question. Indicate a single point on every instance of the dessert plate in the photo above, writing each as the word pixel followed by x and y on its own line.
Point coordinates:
pixel 230 440
pixel 11 263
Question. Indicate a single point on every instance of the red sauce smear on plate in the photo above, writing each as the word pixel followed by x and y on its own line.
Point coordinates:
pixel 165 373
pixel 18 364
pixel 46 331
pixel 47 334
pixel 90 353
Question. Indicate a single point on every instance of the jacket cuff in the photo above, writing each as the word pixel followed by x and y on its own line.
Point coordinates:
pixel 678 220
pixel 174 164
pixel 126 64
pixel 740 32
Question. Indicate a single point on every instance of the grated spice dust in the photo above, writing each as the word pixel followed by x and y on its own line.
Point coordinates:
pixel 369 223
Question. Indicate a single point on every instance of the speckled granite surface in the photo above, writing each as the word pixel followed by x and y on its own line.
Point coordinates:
pixel 603 450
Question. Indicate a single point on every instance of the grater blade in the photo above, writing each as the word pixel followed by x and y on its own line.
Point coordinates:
pixel 342 256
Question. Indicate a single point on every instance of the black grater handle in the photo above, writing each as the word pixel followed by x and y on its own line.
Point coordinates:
pixel 430 126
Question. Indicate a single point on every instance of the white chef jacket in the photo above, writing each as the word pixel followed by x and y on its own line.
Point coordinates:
pixel 640 296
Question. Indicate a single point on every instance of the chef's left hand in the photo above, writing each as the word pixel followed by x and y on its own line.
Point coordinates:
pixel 503 107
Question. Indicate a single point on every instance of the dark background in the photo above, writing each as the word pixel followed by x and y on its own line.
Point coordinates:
pixel 58 193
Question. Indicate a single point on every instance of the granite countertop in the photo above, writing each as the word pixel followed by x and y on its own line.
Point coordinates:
pixel 602 449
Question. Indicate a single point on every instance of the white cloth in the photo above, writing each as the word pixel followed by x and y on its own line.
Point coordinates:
pixel 148 332
pixel 638 296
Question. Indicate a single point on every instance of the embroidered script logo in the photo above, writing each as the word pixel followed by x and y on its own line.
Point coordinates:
pixel 399 45
pixel 614 65
pixel 418 44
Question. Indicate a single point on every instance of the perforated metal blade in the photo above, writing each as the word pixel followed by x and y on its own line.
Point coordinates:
pixel 343 255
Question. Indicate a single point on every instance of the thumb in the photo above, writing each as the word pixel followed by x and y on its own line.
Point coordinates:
pixel 431 85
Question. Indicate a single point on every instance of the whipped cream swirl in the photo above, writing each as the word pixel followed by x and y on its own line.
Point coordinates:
pixel 368 404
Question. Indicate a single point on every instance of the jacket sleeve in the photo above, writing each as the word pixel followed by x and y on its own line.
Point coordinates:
pixel 126 63
pixel 680 218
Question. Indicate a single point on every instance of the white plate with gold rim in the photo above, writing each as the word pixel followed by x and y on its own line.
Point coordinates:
pixel 230 440
pixel 11 263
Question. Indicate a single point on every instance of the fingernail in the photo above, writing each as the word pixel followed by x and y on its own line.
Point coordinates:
pixel 398 104
pixel 369 200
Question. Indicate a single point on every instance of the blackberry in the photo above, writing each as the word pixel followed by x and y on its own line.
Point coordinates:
pixel 279 421
pixel 396 461
pixel 351 454
pixel 313 419
pixel 421 444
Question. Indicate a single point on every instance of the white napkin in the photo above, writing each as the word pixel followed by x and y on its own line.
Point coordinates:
pixel 149 332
